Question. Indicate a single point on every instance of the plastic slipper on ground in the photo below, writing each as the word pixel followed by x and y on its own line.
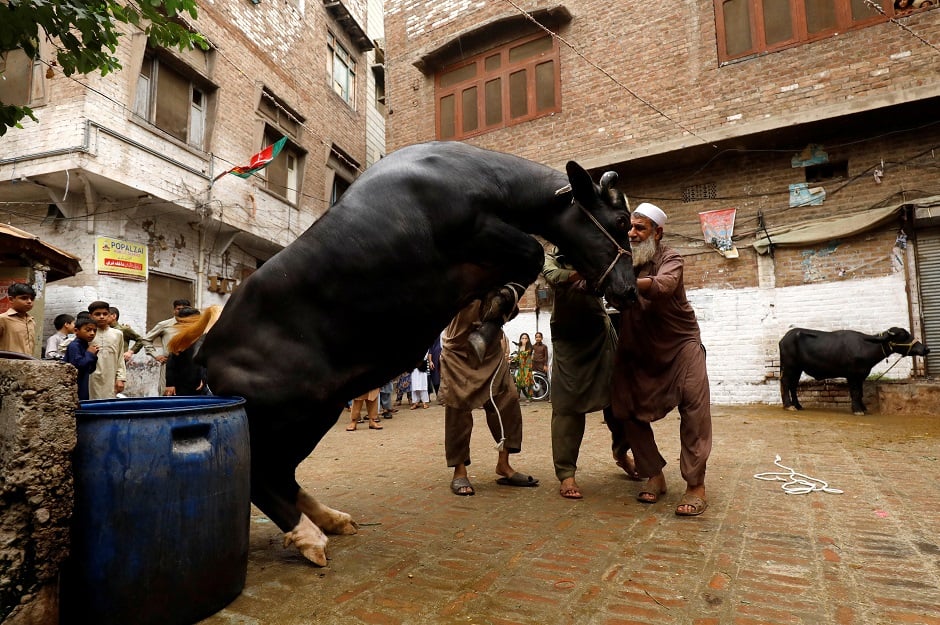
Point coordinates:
pixel 649 496
pixel 459 486
pixel 697 504
pixel 518 479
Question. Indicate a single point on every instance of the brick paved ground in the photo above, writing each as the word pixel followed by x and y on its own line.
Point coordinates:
pixel 524 555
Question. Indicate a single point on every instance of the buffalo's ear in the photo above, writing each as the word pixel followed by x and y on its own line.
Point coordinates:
pixel 581 184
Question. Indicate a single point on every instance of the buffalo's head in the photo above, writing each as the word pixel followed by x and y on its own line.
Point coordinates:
pixel 592 233
pixel 900 341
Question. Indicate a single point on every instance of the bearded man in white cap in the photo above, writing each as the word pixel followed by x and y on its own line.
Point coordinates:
pixel 660 365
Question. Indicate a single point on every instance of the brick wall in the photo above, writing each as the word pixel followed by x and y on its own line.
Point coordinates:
pixel 679 75
pixel 145 187
pixel 603 125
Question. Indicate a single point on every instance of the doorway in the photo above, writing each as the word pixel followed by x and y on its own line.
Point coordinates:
pixel 161 291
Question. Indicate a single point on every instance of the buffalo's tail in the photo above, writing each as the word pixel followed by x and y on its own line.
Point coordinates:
pixel 190 331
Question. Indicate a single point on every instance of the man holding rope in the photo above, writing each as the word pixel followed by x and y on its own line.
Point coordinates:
pixel 465 386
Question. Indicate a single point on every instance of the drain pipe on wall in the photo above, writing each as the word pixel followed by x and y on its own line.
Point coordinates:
pixel 204 213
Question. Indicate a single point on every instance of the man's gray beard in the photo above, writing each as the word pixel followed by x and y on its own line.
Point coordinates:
pixel 643 252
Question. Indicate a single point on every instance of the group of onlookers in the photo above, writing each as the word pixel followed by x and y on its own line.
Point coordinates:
pixel 97 345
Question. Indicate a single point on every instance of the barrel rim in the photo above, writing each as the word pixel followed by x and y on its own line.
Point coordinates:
pixel 132 406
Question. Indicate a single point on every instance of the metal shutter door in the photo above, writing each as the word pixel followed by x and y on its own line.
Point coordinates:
pixel 928 266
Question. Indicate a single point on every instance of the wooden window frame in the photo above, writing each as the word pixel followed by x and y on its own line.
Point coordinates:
pixel 30 90
pixel 283 189
pixel 199 95
pixel 282 120
pixel 800 34
pixel 482 76
pixel 338 53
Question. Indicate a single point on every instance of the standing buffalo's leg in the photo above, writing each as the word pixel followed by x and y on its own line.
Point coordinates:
pixel 329 520
pixel 855 392
pixel 789 382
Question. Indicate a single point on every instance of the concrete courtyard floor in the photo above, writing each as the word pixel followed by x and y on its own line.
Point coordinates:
pixel 526 556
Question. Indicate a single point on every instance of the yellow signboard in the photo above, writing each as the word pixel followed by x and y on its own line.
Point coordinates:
pixel 124 259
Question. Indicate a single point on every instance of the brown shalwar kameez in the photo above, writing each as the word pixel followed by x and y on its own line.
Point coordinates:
pixel 465 386
pixel 661 365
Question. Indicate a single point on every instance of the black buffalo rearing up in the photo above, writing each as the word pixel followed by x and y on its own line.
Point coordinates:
pixel 841 354
pixel 359 297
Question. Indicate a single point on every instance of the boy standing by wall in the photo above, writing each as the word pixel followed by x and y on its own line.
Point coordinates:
pixel 82 354
pixel 17 326
pixel 109 376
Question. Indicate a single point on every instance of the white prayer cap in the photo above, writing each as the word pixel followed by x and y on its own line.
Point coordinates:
pixel 651 212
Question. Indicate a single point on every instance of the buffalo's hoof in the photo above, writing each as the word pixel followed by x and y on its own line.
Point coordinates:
pixel 478 344
pixel 858 413
pixel 792 408
pixel 309 540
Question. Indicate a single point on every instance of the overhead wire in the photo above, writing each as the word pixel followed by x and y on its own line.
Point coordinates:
pixel 646 102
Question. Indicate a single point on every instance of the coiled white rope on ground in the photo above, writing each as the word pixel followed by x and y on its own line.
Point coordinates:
pixel 795 483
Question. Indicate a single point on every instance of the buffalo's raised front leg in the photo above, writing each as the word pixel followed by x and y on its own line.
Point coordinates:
pixel 498 307
pixel 308 535
pixel 496 253
pixel 327 519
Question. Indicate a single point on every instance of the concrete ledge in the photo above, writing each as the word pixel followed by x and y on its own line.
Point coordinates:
pixel 909 397
pixel 38 400
pixel 888 397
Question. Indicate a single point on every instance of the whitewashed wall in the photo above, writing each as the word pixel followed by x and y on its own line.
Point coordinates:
pixel 741 328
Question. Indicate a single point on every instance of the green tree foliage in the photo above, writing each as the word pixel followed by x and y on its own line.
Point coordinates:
pixel 85 34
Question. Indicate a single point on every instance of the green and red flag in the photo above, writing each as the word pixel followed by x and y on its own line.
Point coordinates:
pixel 259 161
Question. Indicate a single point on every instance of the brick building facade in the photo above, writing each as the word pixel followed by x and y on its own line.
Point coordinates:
pixel 828 111
pixel 132 155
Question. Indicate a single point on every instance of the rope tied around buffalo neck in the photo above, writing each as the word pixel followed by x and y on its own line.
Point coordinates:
pixel 889 351
pixel 620 250
pixel 892 345
pixel 795 483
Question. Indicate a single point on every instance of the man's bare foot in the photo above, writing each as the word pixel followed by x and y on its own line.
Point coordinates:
pixel 569 489
pixel 654 487
pixel 626 463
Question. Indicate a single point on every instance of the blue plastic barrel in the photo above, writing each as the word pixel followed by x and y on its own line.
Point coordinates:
pixel 162 508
